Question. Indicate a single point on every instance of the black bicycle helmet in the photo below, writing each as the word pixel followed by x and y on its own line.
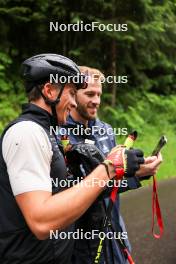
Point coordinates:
pixel 37 69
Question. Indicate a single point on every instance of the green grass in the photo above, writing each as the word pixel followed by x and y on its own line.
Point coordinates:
pixel 148 141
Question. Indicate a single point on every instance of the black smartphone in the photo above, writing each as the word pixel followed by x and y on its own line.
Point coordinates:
pixel 161 143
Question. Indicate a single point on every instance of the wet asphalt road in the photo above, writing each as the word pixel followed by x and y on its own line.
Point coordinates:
pixel 136 211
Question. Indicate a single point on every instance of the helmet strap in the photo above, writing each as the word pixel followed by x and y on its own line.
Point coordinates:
pixel 53 103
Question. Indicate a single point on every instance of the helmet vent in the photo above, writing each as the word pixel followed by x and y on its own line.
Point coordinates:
pixel 54 63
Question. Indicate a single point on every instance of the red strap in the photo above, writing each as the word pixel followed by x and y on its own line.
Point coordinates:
pixel 130 260
pixel 114 193
pixel 156 211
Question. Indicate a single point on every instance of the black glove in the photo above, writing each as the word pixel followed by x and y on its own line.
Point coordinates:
pixel 83 158
pixel 135 157
pixel 125 161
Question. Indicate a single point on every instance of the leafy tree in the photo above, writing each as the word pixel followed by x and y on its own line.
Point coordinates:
pixel 145 53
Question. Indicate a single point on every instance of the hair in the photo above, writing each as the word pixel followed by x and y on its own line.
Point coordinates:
pixel 35 93
pixel 95 73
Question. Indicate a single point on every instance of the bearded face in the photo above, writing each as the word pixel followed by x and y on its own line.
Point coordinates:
pixel 88 100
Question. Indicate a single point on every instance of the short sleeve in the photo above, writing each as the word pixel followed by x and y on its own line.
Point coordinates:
pixel 28 153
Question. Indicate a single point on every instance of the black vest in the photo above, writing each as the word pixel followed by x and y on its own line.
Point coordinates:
pixel 17 243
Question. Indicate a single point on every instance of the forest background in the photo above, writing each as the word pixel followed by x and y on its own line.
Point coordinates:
pixel 146 53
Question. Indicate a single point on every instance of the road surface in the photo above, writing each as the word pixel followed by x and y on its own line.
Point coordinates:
pixel 136 211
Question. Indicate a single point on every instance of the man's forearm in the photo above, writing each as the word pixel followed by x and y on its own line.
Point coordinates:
pixel 52 212
pixel 72 203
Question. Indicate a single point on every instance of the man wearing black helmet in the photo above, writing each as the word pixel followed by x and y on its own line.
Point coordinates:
pixel 31 159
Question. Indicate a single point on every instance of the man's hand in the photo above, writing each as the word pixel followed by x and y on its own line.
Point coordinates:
pixel 126 162
pixel 150 166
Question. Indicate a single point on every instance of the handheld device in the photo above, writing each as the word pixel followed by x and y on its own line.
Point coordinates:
pixel 161 143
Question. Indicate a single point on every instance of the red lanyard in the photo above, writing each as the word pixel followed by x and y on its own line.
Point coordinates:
pixel 156 212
